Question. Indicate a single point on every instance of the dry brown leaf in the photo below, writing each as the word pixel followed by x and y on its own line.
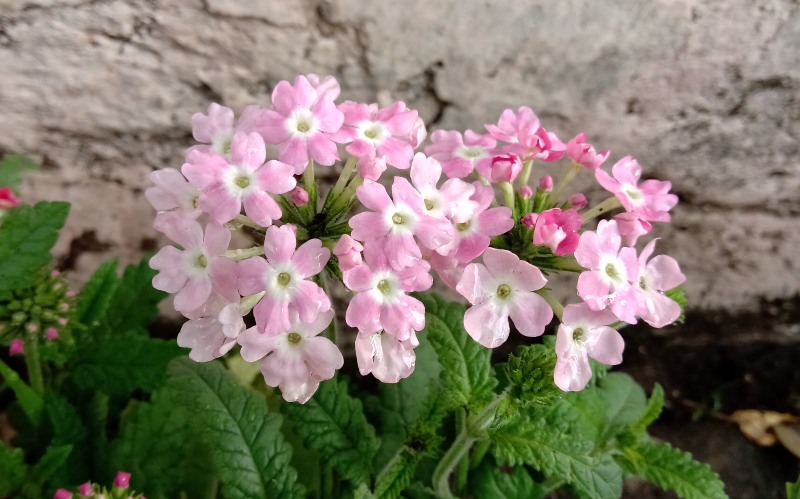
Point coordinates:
pixel 759 426
pixel 789 437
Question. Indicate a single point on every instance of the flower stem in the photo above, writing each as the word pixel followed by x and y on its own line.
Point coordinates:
pixel 243 254
pixel 597 210
pixel 525 174
pixel 348 169
pixel 558 309
pixel 34 362
pixel 247 222
pixel 308 176
pixel 508 194
pixel 563 182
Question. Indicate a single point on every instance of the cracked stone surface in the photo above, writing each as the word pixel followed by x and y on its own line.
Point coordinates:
pixel 703 93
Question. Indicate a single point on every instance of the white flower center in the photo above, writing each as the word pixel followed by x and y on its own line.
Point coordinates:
pixel 281 282
pixel 302 123
pixel 612 271
pixel 385 287
pixel 238 180
pixel 402 220
pixel 633 194
pixel 471 152
pixel 372 131
pixel 222 142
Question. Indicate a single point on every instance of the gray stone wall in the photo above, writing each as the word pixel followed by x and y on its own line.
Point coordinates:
pixel 703 93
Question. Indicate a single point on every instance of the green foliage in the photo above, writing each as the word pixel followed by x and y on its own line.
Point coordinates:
pixel 672 469
pixel 12 470
pixel 492 481
pixel 793 490
pixel 248 451
pixel 333 424
pixel 26 236
pixel 11 168
pixel 95 298
pixel 679 296
pixel 398 474
pixel 118 365
pixel 134 304
pixel 554 452
pixel 529 376
pixel 655 404
pixel 30 402
pixel 466 376
pixel 67 429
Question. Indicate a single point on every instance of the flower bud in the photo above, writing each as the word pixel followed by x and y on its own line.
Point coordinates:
pixel 546 183
pixel 7 199
pixel 122 480
pixel 503 168
pixel 62 494
pixel 300 196
pixel 86 489
pixel 578 201
pixel 16 347
pixel 51 333
pixel 529 220
pixel 348 251
pixel 525 192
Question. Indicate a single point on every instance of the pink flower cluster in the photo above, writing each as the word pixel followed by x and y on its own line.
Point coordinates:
pixel 444 217
pixel 120 489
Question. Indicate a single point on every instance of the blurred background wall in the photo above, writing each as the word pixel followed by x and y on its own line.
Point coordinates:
pixel 703 93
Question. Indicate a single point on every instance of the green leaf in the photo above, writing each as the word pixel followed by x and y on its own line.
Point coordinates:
pixel 549 449
pixel 12 470
pixel 466 374
pixel 152 446
pixel 363 492
pixel 653 410
pixel 793 490
pixel 529 373
pixel 249 453
pixel 11 166
pixel 26 237
pixel 68 429
pixel 672 469
pixel 95 298
pixel 54 457
pixel 507 483
pixel 333 424
pixel 118 365
pixel 31 403
pixel 135 302
pixel 397 475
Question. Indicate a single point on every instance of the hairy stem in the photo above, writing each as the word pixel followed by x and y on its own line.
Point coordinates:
pixel 243 254
pixel 558 309
pixel 247 222
pixel 34 362
pixel 525 174
pixel 604 207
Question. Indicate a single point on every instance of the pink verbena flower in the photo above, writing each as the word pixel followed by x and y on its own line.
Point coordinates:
pixel 327 87
pixel 398 221
pixel 86 489
pixel 459 155
pixel 216 129
pixel 297 359
pixel 172 192
pixel 502 168
pixel 452 201
pixel 283 275
pixel 651 200
pixel 631 227
pixel 515 128
pixel 302 124
pixel 542 145
pixel 191 272
pixel 211 331
pixel 585 154
pixel 385 357
pixel 578 201
pixel 378 134
pixel 7 199
pixel 244 180
pixel 584 333
pixel 659 274
pixel 62 494
pixel 607 282
pixel 502 288
pixel 348 252
pixel 472 237
pixel 558 230
pixel 381 302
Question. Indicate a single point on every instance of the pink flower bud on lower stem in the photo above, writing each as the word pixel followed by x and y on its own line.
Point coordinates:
pixel 17 347
pixel 51 333
pixel 122 480
pixel 300 196
pixel 578 201
pixel 86 489
pixel 525 192
pixel 546 183
pixel 62 494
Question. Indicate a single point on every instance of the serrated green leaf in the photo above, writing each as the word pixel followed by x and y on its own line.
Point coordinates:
pixel 655 404
pixel 249 453
pixel 12 470
pixel 152 446
pixel 529 373
pixel 118 365
pixel 467 376
pixel 30 402
pixel 11 166
pixel 672 469
pixel 793 490
pixel 556 454
pixel 508 483
pixel 363 492
pixel 67 429
pixel 54 457
pixel 397 475
pixel 333 424
pixel 27 235
pixel 135 303
pixel 96 296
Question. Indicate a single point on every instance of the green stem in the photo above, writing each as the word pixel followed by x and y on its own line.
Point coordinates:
pixel 525 174
pixel 462 469
pixel 243 254
pixel 563 182
pixel 604 207
pixel 34 362
pixel 30 401
pixel 347 194
pixel 558 309
pixel 98 417
pixel 308 176
pixel 246 221
pixel 472 432
pixel 508 194
pixel 481 448
pixel 348 169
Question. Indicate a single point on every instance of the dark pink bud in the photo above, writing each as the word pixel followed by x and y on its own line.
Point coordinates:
pixel 529 220
pixel 51 333
pixel 546 183
pixel 86 489
pixel 299 196
pixel 578 201
pixel 122 480
pixel 525 192
pixel 7 199
pixel 16 347
pixel 62 494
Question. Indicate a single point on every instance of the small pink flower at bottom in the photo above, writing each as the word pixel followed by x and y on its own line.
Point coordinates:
pixel 7 199
pixel 584 333
pixel 502 288
pixel 631 227
pixel 62 494
pixel 86 489
pixel 122 480
pixel 16 347
pixel 348 252
pixel 660 274
pixel 297 360
pixel 386 357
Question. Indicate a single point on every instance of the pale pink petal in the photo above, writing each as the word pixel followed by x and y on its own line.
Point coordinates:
pixel 402 251
pixel 323 150
pixel 204 337
pixel 572 373
pixel 261 208
pixel 363 313
pixel 607 346
pixel 530 313
pixel 181 228
pixel 322 357
pixel 279 244
pixel 272 316
pixel 330 118
pixel 397 152
pixel 310 258
pixel 433 233
pixel 216 239
pixel 313 328
pixel 593 290
pixel 425 172
pixel 294 151
pixel 193 295
pixel 252 273
pixel 368 226
pixel 276 177
pixel 359 278
pixel 256 345
pixel 283 97
pixel 309 301
pixel 248 150
pixel 665 272
pixel 205 128
pixel 661 310
pixel 272 127
pixel 203 169
pixel 225 278
pixel 219 204
pixel 474 283
pixel 588 252
pixel 487 324
pixel 495 221
pixel 374 197
pixel 471 247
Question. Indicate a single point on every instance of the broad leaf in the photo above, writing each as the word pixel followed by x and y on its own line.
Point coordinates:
pixel 26 236
pixel 466 375
pixel 793 490
pixel 653 410
pixel 135 302
pixel 333 424
pixel 489 480
pixel 96 295
pixel 249 453
pixel 397 475
pixel 68 429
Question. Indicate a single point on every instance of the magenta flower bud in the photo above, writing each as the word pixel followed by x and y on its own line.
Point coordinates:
pixel 122 480
pixel 7 199
pixel 299 196
pixel 62 494
pixel 86 489
pixel 578 201
pixel 51 333
pixel 16 347
pixel 503 168
pixel 529 220
pixel 546 183
pixel 525 192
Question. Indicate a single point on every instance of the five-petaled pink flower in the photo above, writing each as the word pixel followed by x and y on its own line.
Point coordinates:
pixel 211 331
pixel 384 356
pixel 651 200
pixel 659 274
pixel 451 201
pixel 502 288
pixel 585 154
pixel 461 155
pixel 215 130
pixel 558 230
pixel 172 192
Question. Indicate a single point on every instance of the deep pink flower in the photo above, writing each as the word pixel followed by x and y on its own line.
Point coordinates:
pixel 302 124
pixel 348 252
pixel 86 489
pixel 122 480
pixel 451 201
pixel 7 199
pixel 529 220
pixel 51 333
pixel 503 168
pixel 297 359
pixel 191 272
pixel 607 282
pixel 631 227
pixel 16 347
pixel 585 154
pixel 459 155
pixel 398 221
pixel 62 494
pixel 584 333
pixel 216 129
pixel 284 276
pixel 211 331
pixel 472 237
pixel 381 302
pixel 660 274
pixel 542 145
pixel 651 200
pixel 558 230
pixel 502 288
pixel 172 192
pixel 386 357
pixel 515 128
pixel 244 180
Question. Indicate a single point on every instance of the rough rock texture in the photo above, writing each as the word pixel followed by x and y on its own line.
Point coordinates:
pixel 704 93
